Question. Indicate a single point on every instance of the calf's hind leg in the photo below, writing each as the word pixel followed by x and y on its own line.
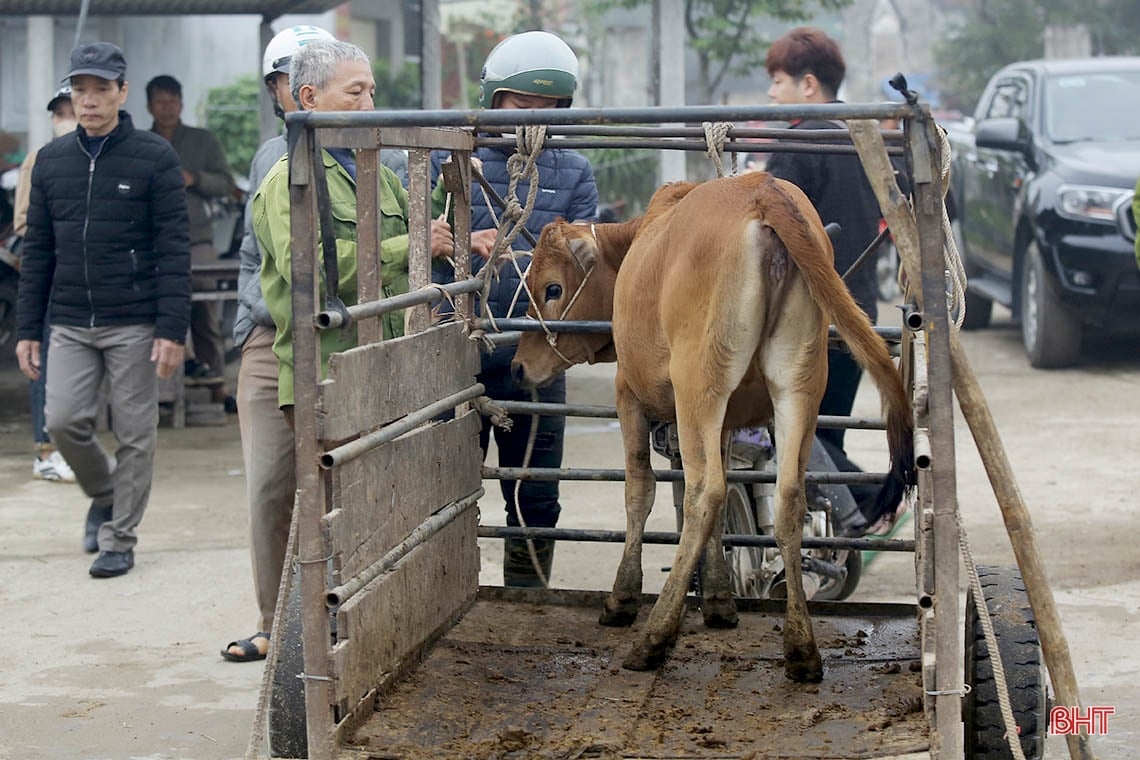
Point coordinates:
pixel 717 605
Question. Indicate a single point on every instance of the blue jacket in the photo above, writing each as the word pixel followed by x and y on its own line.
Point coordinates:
pixel 567 190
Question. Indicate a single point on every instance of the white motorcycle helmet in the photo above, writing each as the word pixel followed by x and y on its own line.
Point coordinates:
pixel 531 63
pixel 279 52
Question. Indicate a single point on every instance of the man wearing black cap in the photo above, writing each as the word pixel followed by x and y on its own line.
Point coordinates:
pixel 108 248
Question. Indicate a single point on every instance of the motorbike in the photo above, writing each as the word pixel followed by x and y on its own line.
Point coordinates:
pixel 750 510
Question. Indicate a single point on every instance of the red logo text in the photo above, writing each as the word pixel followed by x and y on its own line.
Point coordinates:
pixel 1068 720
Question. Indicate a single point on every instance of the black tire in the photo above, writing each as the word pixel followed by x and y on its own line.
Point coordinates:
pixel 1050 331
pixel 287 725
pixel 979 311
pixel 744 562
pixel 1020 648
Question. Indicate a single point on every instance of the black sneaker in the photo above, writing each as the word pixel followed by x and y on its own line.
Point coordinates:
pixel 110 564
pixel 200 374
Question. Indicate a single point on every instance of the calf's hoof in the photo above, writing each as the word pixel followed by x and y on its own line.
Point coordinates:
pixel 618 614
pixel 802 664
pixel 719 612
pixel 646 656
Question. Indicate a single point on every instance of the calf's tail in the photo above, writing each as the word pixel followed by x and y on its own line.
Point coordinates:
pixel 787 210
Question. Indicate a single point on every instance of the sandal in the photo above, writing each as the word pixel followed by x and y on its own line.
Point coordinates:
pixel 249 650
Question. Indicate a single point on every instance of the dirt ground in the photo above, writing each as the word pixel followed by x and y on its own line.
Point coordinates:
pixel 129 667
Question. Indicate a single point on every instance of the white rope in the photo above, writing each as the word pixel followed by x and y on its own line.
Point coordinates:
pixel 716 133
pixel 955 270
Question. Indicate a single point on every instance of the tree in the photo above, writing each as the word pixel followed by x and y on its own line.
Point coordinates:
pixel 994 33
pixel 232 115
pixel 724 34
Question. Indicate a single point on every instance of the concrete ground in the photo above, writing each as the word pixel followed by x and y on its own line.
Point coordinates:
pixel 129 667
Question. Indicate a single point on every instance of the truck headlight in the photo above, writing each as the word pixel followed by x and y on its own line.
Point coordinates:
pixel 1090 204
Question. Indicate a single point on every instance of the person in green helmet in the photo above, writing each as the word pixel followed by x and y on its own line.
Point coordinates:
pixel 528 70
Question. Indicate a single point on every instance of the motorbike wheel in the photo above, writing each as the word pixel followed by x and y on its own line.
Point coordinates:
pixel 836 591
pixel 744 562
pixel 288 737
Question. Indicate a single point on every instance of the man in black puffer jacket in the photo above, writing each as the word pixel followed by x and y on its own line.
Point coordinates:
pixel 107 261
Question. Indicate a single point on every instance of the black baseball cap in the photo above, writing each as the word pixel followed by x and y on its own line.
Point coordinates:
pixel 100 59
pixel 63 93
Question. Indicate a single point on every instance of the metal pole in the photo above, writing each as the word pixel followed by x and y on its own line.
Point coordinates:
pixel 670 476
pixel 669 34
pixel 41 78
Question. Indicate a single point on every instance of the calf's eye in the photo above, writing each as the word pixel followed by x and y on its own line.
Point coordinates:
pixel 553 292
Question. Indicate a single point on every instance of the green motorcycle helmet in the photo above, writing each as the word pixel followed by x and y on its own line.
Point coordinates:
pixel 531 63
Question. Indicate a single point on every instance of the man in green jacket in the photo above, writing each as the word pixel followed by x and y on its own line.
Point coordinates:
pixel 333 76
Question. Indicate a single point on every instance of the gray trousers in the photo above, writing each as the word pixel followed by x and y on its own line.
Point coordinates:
pixel 81 358
pixel 205 316
pixel 270 476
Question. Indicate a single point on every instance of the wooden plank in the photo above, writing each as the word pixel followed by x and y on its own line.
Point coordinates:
pixel 379 498
pixel 398 613
pixel 370 385
pixel 418 318
pixel 368 238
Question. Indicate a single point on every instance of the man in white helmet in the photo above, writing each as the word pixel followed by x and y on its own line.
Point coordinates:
pixel 528 70
pixel 269 476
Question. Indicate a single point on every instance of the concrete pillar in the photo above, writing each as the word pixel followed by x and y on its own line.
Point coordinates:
pixel 669 57
pixel 42 83
pixel 431 56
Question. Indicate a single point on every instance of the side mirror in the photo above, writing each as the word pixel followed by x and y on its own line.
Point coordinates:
pixel 1002 134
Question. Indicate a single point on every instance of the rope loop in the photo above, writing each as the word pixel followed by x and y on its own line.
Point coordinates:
pixel 716 134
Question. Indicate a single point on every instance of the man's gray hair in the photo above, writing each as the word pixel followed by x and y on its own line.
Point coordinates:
pixel 315 64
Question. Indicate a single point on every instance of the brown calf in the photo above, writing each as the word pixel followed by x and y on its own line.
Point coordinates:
pixel 720 297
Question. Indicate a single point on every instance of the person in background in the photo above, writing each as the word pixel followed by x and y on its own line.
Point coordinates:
pixel 48 464
pixel 106 259
pixel 321 74
pixel 807 67
pixel 1136 216
pixel 528 70
pixel 207 176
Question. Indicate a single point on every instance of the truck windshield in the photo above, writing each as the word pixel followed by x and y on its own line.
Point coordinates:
pixel 1093 107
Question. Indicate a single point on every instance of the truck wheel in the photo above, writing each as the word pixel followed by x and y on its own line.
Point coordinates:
pixel 1020 650
pixel 979 309
pixel 288 737
pixel 1050 332
pixel 744 562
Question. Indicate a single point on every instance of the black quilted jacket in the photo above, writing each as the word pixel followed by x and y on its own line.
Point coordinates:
pixel 108 236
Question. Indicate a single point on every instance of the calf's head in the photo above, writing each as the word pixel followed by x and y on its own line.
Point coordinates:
pixel 568 278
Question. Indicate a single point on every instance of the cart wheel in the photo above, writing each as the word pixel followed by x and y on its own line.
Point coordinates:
pixel 287 724
pixel 1020 649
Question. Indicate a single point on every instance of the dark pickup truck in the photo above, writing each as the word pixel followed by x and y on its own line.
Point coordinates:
pixel 1041 192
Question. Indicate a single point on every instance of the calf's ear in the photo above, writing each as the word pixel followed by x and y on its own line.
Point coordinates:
pixel 584 252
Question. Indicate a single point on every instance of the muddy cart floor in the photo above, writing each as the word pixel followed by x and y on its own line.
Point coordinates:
pixel 519 679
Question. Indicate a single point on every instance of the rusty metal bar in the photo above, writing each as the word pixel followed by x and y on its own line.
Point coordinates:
pixel 610 412
pixel 338 595
pixel 670 476
pixel 327 320
pixel 665 537
pixel 365 443
pixel 524 324
pixel 734 133
pixel 579 143
pixel 479 119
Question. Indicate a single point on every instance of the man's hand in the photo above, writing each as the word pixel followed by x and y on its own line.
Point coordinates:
pixel 442 241
pixel 28 354
pixel 188 178
pixel 483 242
pixel 167 355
